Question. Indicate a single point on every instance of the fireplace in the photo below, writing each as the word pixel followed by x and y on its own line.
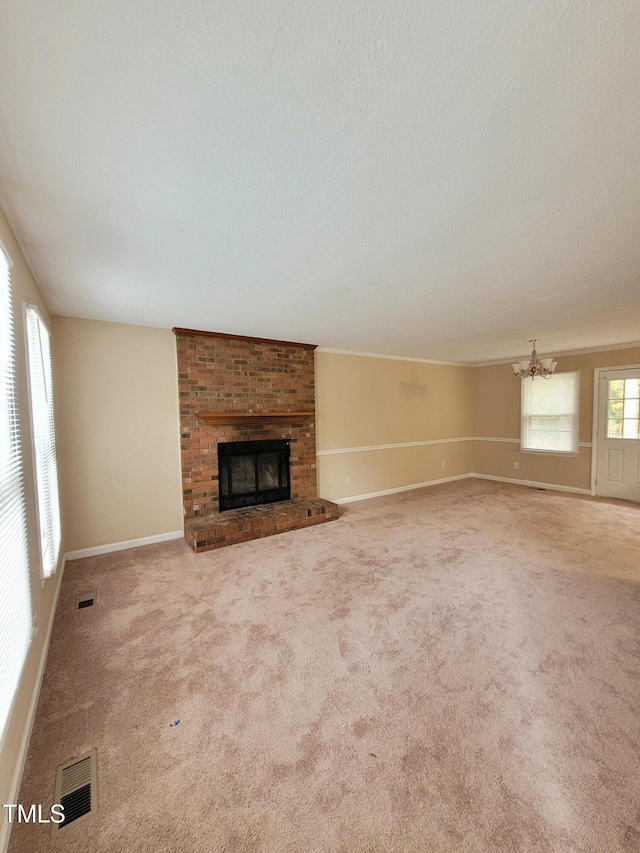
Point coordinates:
pixel 235 391
pixel 253 472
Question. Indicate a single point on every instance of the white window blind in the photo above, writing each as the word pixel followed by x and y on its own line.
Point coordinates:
pixel 44 439
pixel 15 588
pixel 550 413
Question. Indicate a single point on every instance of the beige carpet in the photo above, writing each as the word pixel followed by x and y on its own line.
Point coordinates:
pixel 451 669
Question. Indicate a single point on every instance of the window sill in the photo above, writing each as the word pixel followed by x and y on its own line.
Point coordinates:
pixel 550 452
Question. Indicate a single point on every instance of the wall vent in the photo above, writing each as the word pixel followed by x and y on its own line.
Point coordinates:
pixel 77 789
pixel 86 599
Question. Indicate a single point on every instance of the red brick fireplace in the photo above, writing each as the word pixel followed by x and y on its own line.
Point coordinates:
pixel 245 389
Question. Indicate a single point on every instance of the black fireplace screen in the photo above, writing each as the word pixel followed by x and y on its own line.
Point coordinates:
pixel 253 472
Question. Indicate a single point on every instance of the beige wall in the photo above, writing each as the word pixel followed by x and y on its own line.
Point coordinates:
pixel 496 404
pixel 364 401
pixel 24 289
pixel 118 427
pixel 118 431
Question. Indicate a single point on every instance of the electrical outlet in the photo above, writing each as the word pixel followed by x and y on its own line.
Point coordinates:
pixel 516 465
pixel 443 464
pixel 348 479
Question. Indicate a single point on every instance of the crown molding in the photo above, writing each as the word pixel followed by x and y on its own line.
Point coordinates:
pixel 332 351
pixel 556 354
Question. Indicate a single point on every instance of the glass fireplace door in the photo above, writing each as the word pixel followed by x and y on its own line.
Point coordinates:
pixel 253 472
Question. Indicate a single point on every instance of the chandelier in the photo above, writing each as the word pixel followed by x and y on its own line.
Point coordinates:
pixel 535 366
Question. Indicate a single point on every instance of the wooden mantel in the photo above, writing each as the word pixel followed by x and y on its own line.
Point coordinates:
pixel 231 418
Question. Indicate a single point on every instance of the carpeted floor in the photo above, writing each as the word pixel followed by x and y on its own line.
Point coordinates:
pixel 450 669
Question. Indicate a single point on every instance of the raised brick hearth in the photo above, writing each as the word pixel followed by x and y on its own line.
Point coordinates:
pixel 204 533
pixel 224 375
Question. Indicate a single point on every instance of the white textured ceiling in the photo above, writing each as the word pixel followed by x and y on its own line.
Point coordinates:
pixel 429 179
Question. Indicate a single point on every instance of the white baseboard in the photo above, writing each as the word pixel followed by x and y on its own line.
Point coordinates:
pixel 5 826
pixel 529 483
pixel 532 483
pixel 122 546
pixel 400 489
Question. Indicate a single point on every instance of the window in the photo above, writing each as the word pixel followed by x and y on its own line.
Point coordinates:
pixel 550 413
pixel 15 588
pixel 44 439
pixel 623 414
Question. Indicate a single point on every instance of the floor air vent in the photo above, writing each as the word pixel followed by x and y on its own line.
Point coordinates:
pixel 76 789
pixel 86 599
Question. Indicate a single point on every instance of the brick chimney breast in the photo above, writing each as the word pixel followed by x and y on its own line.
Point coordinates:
pixel 222 373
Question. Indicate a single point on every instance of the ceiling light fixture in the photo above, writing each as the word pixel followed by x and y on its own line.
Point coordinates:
pixel 534 367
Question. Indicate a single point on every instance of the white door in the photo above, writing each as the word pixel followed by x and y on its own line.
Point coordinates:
pixel 618 465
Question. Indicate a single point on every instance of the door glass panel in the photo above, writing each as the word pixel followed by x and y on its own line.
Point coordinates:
pixel 614 428
pixel 243 474
pixel 268 471
pixel 623 419
pixel 632 388
pixel 630 428
pixel 631 408
pixel 616 388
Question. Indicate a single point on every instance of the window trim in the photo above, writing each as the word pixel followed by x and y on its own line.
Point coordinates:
pixel 575 450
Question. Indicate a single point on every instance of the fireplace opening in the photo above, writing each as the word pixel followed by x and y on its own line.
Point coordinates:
pixel 253 472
